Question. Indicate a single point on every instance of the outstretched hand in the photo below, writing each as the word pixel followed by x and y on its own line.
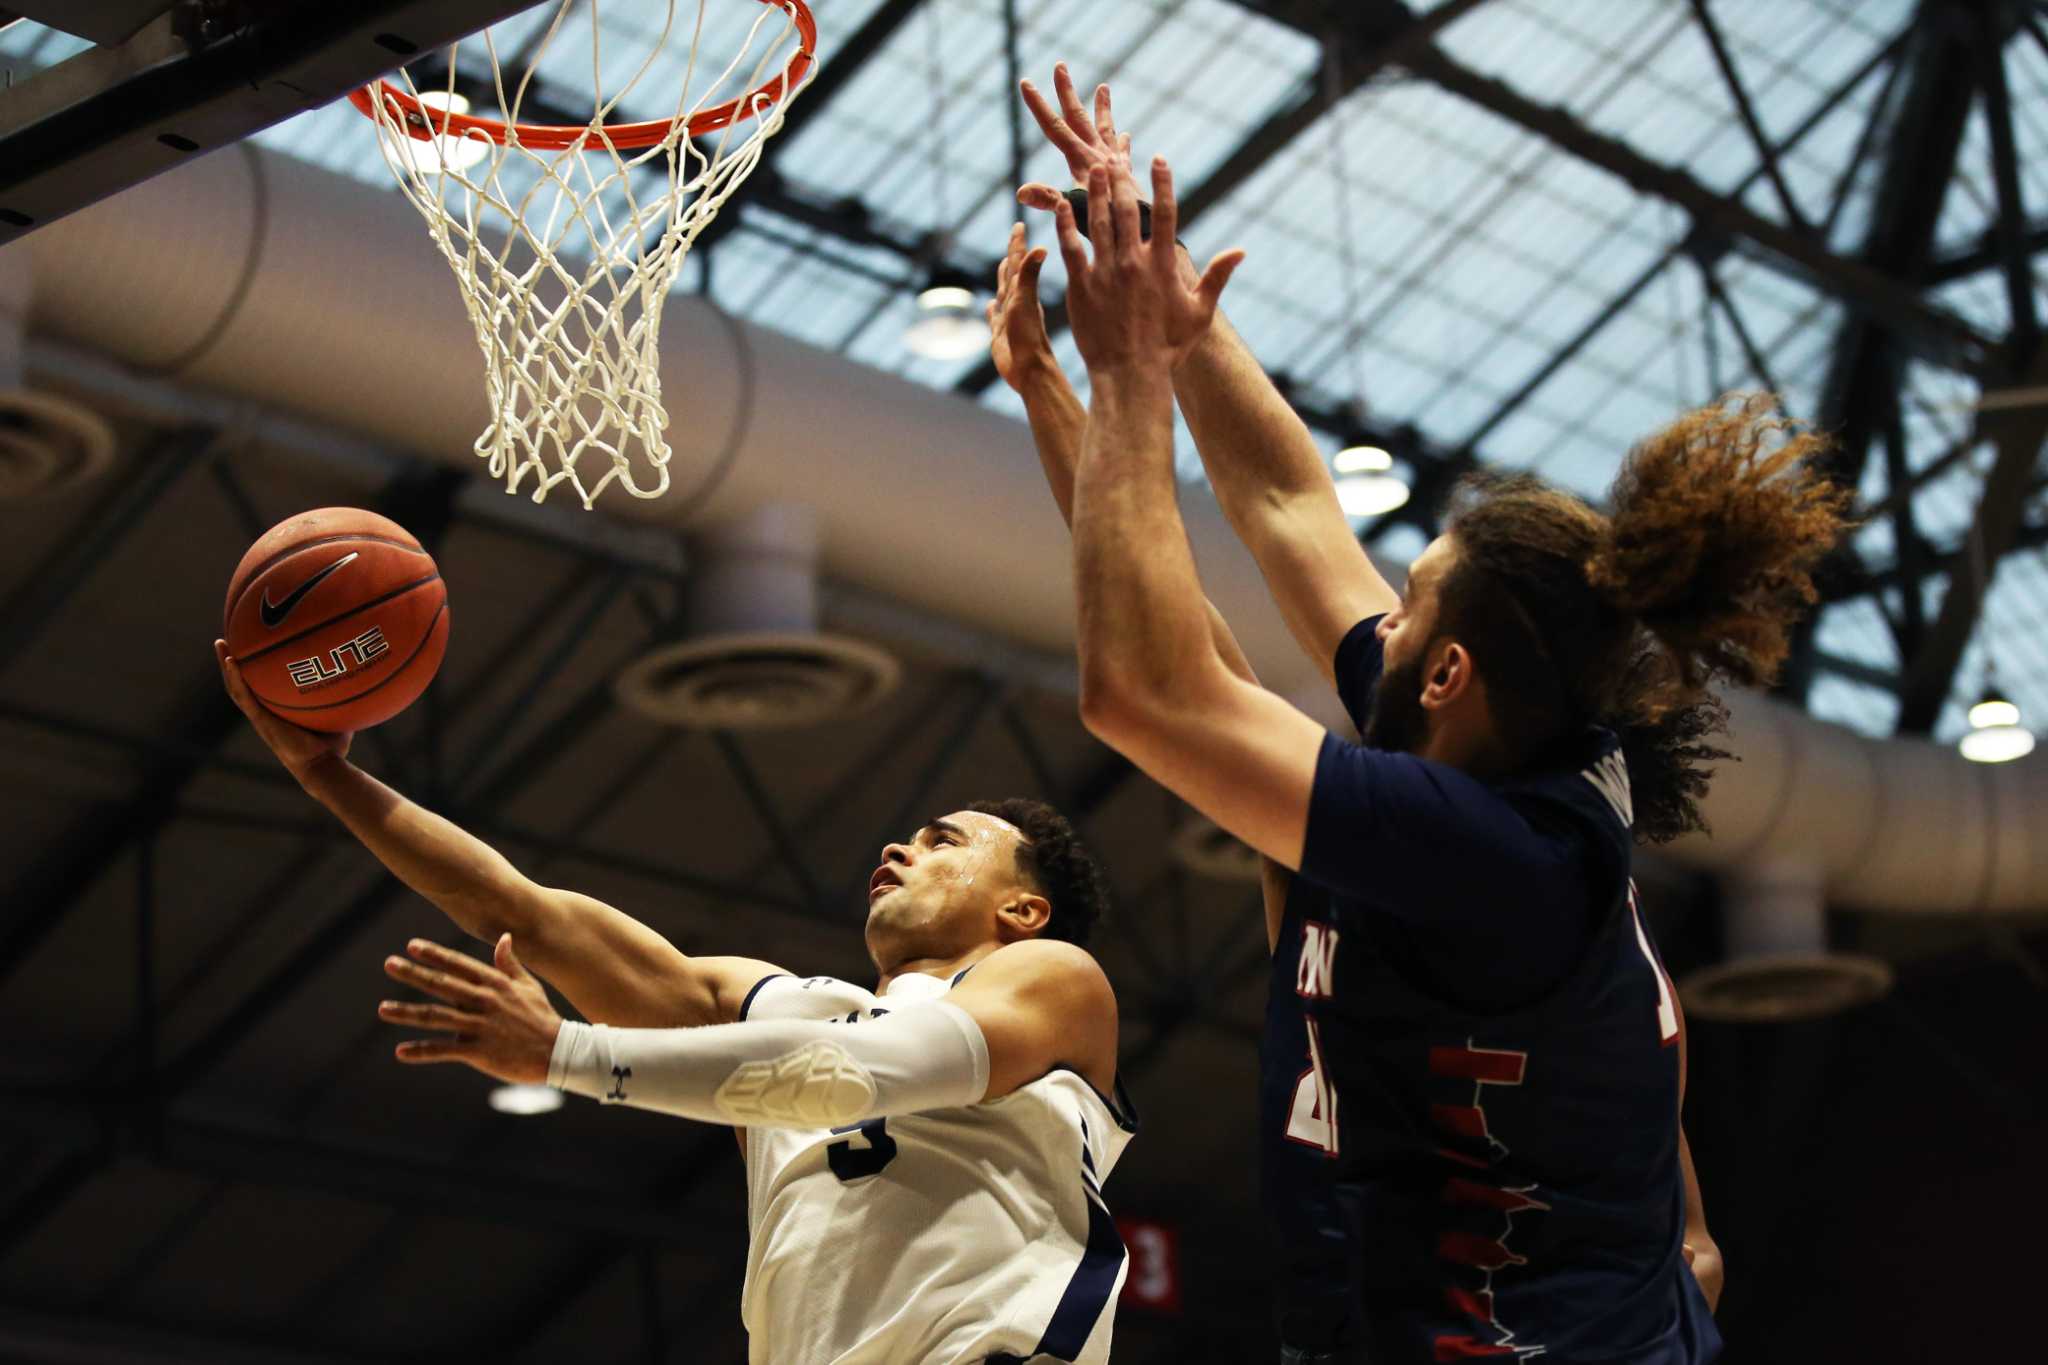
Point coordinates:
pixel 1019 344
pixel 1085 141
pixel 497 1018
pixel 298 748
pixel 1130 304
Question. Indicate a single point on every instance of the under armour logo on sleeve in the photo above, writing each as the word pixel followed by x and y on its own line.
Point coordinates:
pixel 618 1090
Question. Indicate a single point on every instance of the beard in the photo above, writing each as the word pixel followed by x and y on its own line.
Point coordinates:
pixel 1395 720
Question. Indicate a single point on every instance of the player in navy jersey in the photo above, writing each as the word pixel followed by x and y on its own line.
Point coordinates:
pixel 1474 1060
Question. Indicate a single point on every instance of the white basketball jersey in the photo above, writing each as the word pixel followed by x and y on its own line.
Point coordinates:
pixel 949 1237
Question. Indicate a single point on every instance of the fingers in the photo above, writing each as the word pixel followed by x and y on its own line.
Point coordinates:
pixel 415 1051
pixel 1165 212
pixel 1210 290
pixel 1070 102
pixel 439 1018
pixel 507 958
pixel 1027 274
pixel 1123 200
pixel 1073 249
pixel 1101 225
pixel 1105 123
pixel 1038 196
pixel 461 964
pixel 231 678
pixel 1057 130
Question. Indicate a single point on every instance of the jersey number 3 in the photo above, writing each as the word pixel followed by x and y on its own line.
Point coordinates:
pixel 849 1162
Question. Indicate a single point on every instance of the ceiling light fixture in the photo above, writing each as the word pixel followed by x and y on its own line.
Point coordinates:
pixel 1366 483
pixel 1995 734
pixel 948 325
pixel 452 152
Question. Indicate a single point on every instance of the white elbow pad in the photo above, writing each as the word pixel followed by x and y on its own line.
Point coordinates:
pixel 782 1073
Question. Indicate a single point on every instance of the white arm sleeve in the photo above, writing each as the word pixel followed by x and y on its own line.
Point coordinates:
pixel 781 1073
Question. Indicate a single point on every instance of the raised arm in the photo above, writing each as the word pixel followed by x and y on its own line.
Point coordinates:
pixel 1022 351
pixel 610 966
pixel 1265 467
pixel 1025 1010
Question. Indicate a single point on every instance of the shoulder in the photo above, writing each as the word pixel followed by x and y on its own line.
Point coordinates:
pixel 779 995
pixel 1583 796
pixel 1049 972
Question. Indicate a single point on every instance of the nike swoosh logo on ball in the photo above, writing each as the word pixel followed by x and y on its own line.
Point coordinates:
pixel 275 612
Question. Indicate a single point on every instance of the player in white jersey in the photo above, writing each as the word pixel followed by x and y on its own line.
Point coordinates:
pixel 924 1160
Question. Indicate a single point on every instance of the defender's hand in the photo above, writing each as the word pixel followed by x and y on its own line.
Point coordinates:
pixel 1018 342
pixel 1086 142
pixel 497 1019
pixel 1130 304
pixel 298 748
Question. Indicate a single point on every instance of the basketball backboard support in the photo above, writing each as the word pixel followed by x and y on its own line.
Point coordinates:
pixel 196 76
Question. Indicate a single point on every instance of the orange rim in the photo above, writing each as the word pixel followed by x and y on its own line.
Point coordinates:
pixel 424 123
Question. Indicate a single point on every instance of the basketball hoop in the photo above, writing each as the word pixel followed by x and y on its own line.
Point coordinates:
pixel 563 265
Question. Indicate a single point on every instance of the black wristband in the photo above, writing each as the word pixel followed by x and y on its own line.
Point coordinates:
pixel 1079 199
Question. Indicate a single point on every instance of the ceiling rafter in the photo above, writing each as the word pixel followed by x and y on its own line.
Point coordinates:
pixel 1388 32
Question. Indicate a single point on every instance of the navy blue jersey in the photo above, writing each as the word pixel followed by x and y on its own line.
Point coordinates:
pixel 1470 1073
pixel 1311 1219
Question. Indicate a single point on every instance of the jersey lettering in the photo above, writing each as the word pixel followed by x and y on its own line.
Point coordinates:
pixel 1315 970
pixel 1667 1011
pixel 1312 1118
pixel 1610 778
pixel 850 1163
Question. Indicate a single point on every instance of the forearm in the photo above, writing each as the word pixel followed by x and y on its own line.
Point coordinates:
pixel 1145 628
pixel 1059 426
pixel 782 1073
pixel 1695 1207
pixel 466 879
pixel 1254 446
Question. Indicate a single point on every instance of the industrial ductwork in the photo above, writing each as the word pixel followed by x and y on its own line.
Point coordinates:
pixel 47 443
pixel 254 274
pixel 754 658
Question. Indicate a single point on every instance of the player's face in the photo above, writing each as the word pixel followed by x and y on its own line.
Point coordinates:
pixel 1396 719
pixel 936 895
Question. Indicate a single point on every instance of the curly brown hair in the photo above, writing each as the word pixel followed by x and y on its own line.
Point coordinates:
pixel 1630 619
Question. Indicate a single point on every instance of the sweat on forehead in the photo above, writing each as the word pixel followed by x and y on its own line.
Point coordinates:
pixel 974 822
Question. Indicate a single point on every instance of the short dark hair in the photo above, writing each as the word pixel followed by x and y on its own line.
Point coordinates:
pixel 1057 865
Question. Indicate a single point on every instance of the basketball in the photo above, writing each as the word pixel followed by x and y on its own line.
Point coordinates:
pixel 338 619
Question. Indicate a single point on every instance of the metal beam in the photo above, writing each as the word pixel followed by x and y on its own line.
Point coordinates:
pixel 2018 434
pixel 2010 229
pixel 1935 333
pixel 1860 396
pixel 94 1338
pixel 41 897
pixel 836 69
pixel 189 83
pixel 1739 95
pixel 50 584
pixel 279 1157
pixel 1987 252
pixel 1390 32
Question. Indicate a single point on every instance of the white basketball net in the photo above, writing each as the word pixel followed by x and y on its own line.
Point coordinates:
pixel 565 255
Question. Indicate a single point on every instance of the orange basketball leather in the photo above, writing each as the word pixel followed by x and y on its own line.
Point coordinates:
pixel 338 619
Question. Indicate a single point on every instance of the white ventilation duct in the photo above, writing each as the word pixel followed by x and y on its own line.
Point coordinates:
pixel 1778 967
pixel 754 658
pixel 258 275
pixel 47 443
